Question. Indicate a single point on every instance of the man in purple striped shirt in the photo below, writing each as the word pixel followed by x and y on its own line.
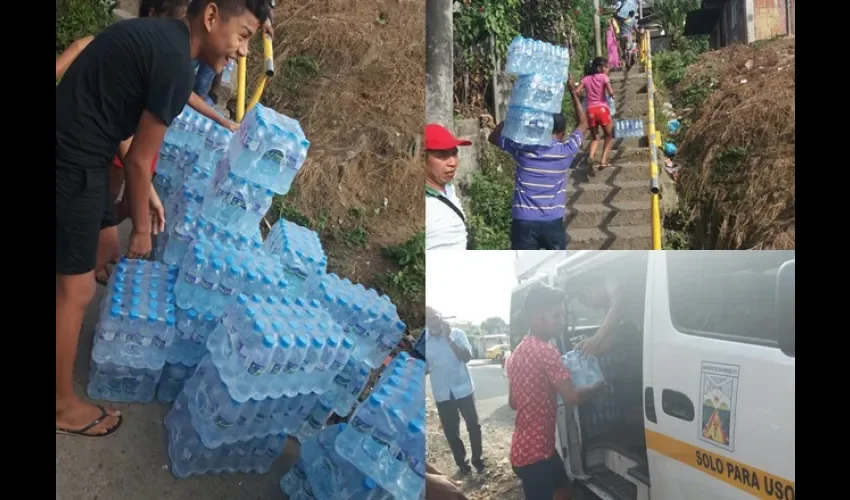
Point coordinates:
pixel 540 188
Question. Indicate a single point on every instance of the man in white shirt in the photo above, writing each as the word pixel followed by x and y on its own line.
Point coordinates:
pixel 445 222
pixel 448 351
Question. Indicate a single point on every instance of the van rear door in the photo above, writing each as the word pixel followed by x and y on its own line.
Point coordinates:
pixel 720 392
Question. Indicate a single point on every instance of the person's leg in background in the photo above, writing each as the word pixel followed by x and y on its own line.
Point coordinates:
pixel 80 201
pixel 473 427
pixel 450 420
pixel 607 124
pixel 594 142
pixel 523 235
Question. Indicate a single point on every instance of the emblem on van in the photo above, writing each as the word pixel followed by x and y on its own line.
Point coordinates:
pixel 719 394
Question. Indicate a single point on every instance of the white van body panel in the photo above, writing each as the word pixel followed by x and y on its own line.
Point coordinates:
pixel 751 386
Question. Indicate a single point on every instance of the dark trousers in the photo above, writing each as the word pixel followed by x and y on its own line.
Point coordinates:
pixel 538 235
pixel 450 412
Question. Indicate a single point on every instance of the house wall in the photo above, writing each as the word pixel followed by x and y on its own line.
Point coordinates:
pixel 769 18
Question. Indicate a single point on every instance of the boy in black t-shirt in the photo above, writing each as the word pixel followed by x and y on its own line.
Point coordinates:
pixel 133 79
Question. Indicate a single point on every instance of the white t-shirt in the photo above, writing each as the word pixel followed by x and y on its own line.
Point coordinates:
pixel 444 230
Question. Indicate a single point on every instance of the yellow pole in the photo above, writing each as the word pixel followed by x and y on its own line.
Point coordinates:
pixel 654 184
pixel 240 89
pixel 258 93
pixel 268 55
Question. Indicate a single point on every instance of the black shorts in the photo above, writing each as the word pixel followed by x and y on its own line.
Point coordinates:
pixel 541 479
pixel 83 208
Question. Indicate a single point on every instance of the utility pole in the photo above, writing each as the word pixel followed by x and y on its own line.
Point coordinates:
pixel 597 28
pixel 439 63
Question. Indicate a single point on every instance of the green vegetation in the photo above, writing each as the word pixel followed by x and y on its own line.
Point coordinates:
pixel 490 196
pixel 79 18
pixel 409 279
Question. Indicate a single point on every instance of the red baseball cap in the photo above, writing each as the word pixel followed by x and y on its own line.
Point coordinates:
pixel 438 138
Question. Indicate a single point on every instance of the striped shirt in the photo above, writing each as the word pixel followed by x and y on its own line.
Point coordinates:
pixel 540 188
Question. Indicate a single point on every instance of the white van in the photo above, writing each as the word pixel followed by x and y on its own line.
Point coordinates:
pixel 700 403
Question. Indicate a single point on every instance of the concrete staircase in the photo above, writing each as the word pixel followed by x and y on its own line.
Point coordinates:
pixel 609 209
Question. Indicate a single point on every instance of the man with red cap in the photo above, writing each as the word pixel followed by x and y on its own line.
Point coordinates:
pixel 445 222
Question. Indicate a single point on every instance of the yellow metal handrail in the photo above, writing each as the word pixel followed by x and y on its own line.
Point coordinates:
pixel 654 140
pixel 242 76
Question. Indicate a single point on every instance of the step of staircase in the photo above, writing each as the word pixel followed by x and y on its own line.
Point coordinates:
pixel 624 171
pixel 607 193
pixel 610 238
pixel 595 215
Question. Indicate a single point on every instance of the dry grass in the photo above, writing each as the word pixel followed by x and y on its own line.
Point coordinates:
pixel 363 110
pixel 740 148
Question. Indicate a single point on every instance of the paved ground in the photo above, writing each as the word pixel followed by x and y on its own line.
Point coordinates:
pixel 133 463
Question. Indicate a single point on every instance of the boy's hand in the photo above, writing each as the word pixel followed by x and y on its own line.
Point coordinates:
pixel 571 84
pixel 157 215
pixel 140 244
pixel 268 29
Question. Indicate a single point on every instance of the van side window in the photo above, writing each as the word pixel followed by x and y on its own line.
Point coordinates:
pixel 725 295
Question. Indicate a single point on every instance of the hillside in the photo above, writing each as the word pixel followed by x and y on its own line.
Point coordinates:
pixel 352 72
pixel 737 147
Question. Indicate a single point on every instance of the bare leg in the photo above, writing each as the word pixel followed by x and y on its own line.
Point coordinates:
pixel 608 132
pixel 107 251
pixel 594 143
pixel 73 295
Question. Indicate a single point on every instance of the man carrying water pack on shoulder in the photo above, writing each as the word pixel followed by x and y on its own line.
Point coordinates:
pixel 540 186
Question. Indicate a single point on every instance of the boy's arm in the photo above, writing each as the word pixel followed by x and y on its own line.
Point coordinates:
pixel 63 62
pixel 196 102
pixel 137 170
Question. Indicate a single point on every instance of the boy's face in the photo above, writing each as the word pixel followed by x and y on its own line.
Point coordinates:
pixel 226 37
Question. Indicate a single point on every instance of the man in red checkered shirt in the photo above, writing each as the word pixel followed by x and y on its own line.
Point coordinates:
pixel 536 375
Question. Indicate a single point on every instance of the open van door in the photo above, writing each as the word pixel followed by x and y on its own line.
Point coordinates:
pixel 719 375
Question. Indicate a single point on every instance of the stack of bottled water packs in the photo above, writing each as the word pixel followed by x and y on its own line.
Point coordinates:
pixel 251 340
pixel 379 455
pixel 542 70
pixel 136 331
pixel 584 370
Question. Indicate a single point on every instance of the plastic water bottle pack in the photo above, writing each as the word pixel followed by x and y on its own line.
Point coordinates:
pixel 269 149
pixel 538 92
pixel 370 319
pixel 135 331
pixel 329 475
pixel 528 127
pixel 584 370
pixel 629 128
pixel 189 455
pixel 300 252
pixel 527 56
pixel 385 438
pixel 267 348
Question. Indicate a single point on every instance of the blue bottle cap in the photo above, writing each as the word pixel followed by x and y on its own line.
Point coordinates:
pixel 300 341
pixel 268 341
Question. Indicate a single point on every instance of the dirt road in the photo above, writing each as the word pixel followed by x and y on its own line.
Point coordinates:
pixel 497 422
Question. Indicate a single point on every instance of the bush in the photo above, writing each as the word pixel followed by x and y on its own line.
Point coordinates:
pixel 491 196
pixel 78 18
